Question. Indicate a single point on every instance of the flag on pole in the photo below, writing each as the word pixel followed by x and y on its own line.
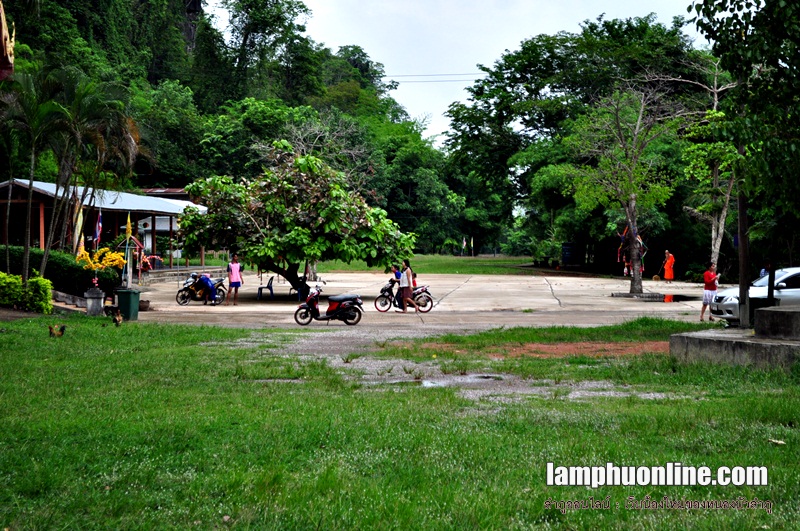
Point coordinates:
pixel 128 231
pixel 80 247
pixel 78 230
pixel 98 229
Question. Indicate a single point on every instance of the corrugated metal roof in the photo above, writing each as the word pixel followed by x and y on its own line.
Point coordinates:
pixel 121 201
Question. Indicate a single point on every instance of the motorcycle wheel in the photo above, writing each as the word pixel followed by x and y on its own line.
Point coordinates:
pixel 183 297
pixel 353 316
pixel 383 303
pixel 424 302
pixel 302 316
pixel 221 294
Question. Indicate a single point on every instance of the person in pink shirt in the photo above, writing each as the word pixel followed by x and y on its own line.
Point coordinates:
pixel 235 280
pixel 710 283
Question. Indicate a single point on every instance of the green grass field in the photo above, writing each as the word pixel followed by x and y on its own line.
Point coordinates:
pixel 445 264
pixel 151 426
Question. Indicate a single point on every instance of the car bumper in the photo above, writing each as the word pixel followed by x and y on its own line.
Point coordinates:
pixel 728 310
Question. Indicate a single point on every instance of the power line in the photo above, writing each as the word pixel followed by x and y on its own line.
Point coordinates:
pixel 438 75
pixel 438 81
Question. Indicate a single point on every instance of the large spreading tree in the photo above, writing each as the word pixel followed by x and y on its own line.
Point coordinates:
pixel 297 212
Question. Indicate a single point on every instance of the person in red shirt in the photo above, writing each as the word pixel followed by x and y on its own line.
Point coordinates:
pixel 710 283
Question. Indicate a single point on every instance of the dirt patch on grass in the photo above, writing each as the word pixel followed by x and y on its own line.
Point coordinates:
pixel 589 349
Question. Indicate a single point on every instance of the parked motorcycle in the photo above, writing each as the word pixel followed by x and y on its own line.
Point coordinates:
pixel 194 290
pixel 345 308
pixel 388 298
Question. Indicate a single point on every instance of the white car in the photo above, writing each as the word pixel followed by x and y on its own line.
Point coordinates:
pixel 787 291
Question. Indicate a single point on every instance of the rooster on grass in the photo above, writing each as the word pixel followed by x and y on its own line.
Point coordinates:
pixel 117 318
pixel 57 330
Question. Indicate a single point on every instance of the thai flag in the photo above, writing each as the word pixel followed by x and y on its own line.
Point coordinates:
pixel 98 229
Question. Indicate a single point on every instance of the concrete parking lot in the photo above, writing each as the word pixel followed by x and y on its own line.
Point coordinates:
pixel 462 302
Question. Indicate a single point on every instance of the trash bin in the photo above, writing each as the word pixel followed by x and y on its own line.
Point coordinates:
pixel 128 301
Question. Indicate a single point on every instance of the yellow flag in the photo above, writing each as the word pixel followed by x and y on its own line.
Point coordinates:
pixel 80 247
pixel 78 230
pixel 128 231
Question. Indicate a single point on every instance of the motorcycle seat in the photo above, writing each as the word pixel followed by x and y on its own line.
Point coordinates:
pixel 342 298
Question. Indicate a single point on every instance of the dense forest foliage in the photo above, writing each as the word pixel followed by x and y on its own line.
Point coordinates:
pixel 610 143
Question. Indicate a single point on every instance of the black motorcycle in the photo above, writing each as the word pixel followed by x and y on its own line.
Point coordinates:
pixel 345 308
pixel 389 298
pixel 195 290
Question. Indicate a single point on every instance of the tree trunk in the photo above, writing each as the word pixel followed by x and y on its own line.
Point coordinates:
pixel 8 222
pixel 26 254
pixel 718 224
pixel 59 206
pixel 744 262
pixel 636 263
pixel 635 246
pixel 290 273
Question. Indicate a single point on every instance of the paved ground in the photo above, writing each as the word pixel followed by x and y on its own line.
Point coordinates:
pixel 462 302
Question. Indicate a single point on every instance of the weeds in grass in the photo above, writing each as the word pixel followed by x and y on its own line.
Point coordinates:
pixel 350 357
pixel 456 366
pixel 384 372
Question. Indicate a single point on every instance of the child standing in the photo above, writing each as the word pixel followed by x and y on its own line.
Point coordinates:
pixel 235 280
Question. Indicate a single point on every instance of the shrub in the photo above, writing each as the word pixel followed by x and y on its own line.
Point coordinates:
pixel 65 273
pixel 10 290
pixel 38 297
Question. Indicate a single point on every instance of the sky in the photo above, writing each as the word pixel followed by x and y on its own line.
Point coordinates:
pixel 432 47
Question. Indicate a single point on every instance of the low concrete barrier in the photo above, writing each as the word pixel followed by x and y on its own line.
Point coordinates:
pixel 775 342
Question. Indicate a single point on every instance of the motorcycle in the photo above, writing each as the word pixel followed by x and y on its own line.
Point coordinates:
pixel 345 308
pixel 194 290
pixel 388 298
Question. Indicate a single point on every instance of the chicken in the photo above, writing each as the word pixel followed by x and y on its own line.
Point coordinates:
pixel 57 330
pixel 117 318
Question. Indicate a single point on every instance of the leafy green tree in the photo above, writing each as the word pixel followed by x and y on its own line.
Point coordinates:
pixel 509 130
pixel 409 183
pixel 710 162
pixel 231 140
pixel 756 41
pixel 259 30
pixel 299 211
pixel 173 132
pixel 294 75
pixel 620 144
pixel 212 69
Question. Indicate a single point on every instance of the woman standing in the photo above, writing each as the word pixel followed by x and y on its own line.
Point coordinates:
pixel 710 283
pixel 405 287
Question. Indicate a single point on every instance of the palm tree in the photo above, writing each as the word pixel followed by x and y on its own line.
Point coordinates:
pixel 29 107
pixel 98 132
